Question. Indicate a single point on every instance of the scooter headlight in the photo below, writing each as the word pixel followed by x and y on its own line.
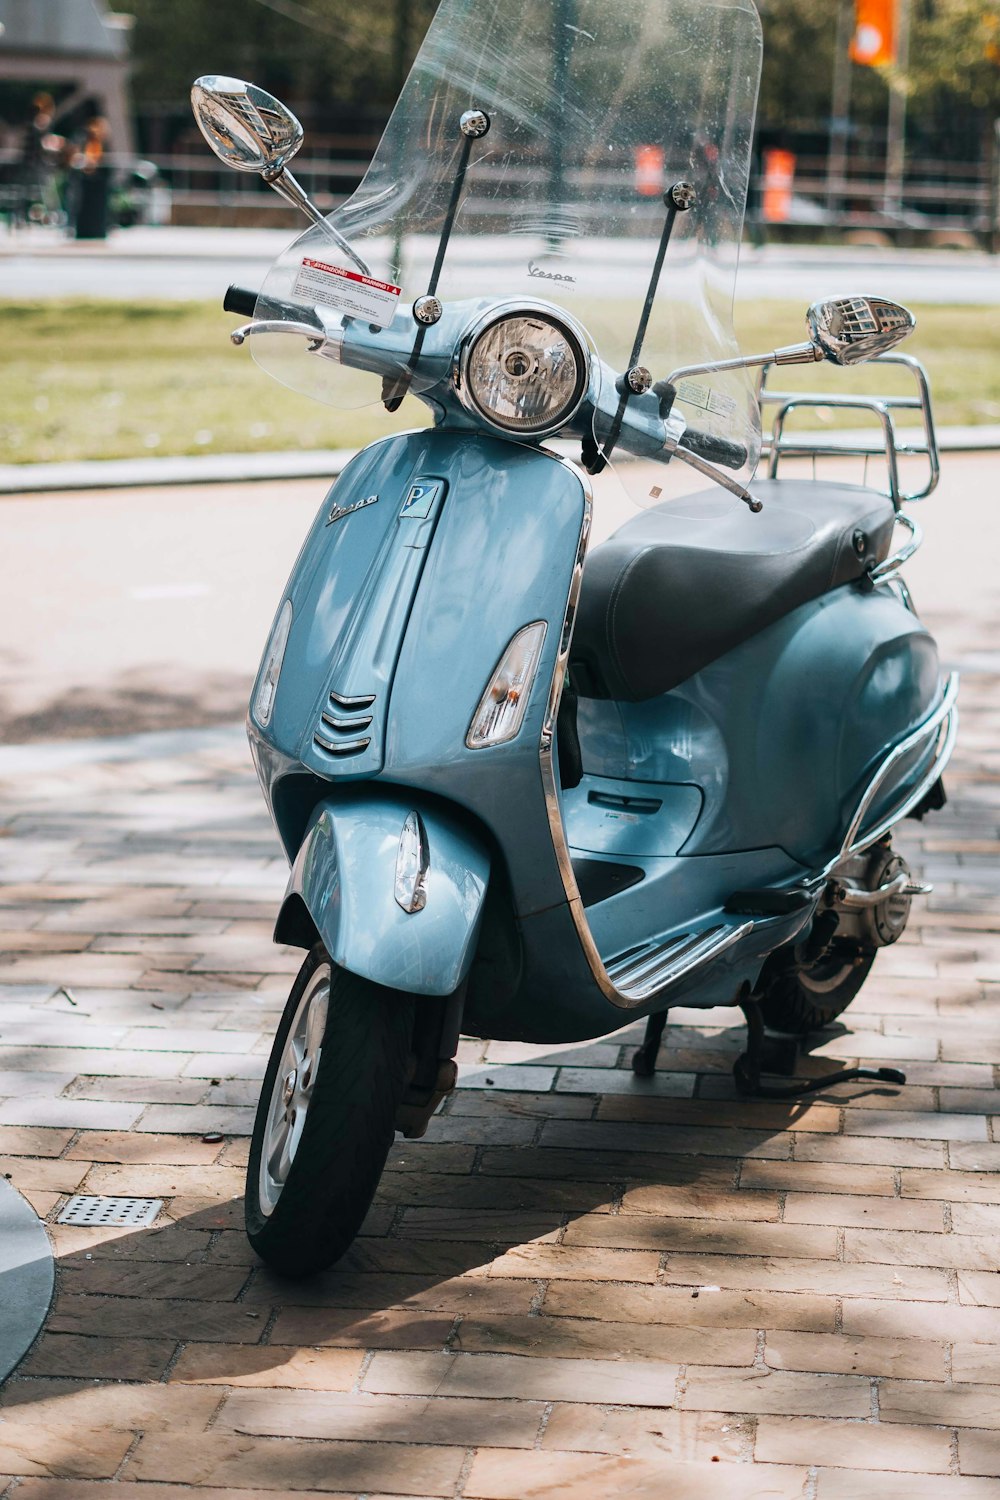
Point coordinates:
pixel 525 372
pixel 274 655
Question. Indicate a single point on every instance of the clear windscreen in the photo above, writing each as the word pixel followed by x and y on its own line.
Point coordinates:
pixel 596 108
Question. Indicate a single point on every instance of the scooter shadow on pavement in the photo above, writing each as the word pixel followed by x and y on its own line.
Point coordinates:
pixel 509 1194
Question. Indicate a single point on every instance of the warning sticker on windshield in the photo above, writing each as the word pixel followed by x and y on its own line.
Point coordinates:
pixel 348 291
pixel 705 398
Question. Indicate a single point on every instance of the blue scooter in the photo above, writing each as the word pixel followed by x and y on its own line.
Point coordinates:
pixel 529 790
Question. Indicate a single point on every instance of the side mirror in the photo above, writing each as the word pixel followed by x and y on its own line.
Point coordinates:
pixel 246 127
pixel 251 130
pixel 849 330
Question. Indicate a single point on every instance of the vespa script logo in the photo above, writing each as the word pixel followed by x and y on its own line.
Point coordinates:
pixel 340 511
pixel 534 270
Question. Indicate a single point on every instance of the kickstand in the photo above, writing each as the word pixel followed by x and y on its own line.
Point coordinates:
pixel 773 1055
pixel 644 1059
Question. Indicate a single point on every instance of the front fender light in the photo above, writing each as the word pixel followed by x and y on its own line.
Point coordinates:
pixel 503 705
pixel 270 669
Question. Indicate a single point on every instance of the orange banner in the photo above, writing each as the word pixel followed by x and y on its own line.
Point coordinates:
pixel 779 177
pixel 649 170
pixel 875 29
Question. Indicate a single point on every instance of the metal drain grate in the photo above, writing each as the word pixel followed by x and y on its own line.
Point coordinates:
pixel 135 1212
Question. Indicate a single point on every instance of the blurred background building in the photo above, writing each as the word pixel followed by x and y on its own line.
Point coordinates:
pixel 877 117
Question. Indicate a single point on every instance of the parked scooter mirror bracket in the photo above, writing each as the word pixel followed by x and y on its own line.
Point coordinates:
pixel 678 199
pixel 427 310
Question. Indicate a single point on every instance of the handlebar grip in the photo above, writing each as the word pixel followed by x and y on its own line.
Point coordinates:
pixel 715 449
pixel 239 299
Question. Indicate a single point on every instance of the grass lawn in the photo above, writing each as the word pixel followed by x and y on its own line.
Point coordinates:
pixel 112 380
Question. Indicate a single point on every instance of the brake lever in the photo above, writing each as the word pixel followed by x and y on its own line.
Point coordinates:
pixel 277 325
pixel 674 446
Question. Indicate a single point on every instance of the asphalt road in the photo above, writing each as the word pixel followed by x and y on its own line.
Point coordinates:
pixel 148 609
pixel 182 264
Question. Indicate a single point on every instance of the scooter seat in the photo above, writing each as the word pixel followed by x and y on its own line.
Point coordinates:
pixel 684 582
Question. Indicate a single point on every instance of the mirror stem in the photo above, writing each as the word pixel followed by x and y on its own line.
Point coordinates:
pixel 289 188
pixel 794 354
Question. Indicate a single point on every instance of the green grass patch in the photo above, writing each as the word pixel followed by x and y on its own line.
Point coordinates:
pixel 88 380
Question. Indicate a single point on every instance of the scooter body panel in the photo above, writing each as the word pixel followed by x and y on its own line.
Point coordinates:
pixel 351 591
pixel 752 765
pixel 503 556
pixel 345 875
pixel 780 735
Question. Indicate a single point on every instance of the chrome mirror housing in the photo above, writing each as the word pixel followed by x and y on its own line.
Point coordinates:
pixel 245 126
pixel 849 330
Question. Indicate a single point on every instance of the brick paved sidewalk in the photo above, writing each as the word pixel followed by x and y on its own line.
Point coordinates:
pixel 578 1285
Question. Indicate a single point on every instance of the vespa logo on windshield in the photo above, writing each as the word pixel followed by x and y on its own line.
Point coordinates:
pixel 340 511
pixel 534 270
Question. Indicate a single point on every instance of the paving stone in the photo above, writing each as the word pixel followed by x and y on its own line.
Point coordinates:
pixel 447 1420
pixel 699 1307
pixel 496 1475
pixel 96 1358
pixel 915 1357
pixel 274 1366
pixel 842 1484
pixel 696 1202
pixel 220 1459
pixel 784 1392
pixel 864 1213
pixel 681 1436
pixel 80 1114
pixel 619 1383
pixel 940 1405
pixel 716 1237
pixel 570 1338
pixel 860 1446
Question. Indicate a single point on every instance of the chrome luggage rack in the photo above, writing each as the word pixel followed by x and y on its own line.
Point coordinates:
pixel 778 445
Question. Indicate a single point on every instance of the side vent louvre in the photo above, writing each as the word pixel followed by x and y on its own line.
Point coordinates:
pixel 340 731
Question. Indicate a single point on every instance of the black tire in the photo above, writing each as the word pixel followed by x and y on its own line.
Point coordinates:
pixel 799 998
pixel 303 1218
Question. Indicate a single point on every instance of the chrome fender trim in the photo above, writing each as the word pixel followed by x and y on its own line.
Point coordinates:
pixel 942 722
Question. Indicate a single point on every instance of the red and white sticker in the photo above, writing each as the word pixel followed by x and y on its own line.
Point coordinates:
pixel 348 291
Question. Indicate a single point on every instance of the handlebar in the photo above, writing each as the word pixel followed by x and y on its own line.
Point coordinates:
pixel 239 299
pixel 715 449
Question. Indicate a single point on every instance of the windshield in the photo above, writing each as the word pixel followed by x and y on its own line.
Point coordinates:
pixel 596 108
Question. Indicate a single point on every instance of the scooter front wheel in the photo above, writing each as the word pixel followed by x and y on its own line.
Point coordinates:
pixel 326 1116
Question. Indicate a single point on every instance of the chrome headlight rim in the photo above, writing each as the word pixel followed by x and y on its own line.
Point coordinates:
pixel 501 312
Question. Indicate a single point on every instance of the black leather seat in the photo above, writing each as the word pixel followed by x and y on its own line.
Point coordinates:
pixel 680 585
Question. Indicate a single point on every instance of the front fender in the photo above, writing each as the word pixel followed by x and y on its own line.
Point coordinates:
pixel 344 875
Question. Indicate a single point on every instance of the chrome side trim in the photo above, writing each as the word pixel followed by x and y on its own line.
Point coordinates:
pixel 892 565
pixel 341 747
pixel 943 722
pixel 659 965
pixel 349 703
pixel 358 724
pixel 637 978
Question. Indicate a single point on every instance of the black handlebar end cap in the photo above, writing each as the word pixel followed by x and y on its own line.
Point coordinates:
pixel 239 299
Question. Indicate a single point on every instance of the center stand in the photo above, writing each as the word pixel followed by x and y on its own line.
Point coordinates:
pixel 764 1055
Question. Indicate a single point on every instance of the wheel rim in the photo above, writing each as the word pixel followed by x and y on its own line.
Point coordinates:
pixel 293 1088
pixel 825 975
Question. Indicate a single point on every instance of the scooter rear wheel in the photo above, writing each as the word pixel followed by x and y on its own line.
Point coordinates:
pixel 800 998
pixel 326 1116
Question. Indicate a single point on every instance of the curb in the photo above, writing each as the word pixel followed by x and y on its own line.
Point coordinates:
pixel 328 463
pixel 47 756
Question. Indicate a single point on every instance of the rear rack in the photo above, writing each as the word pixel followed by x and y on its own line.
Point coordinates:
pixel 779 445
